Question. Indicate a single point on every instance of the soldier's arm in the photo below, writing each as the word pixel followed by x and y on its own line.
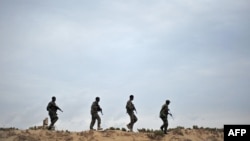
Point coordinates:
pixel 59 108
pixel 133 107
pixel 169 113
pixel 100 109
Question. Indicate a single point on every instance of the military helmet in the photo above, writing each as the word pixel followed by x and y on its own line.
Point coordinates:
pixel 131 96
pixel 97 98
pixel 167 101
pixel 53 98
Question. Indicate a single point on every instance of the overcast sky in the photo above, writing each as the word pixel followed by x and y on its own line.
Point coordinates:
pixel 196 53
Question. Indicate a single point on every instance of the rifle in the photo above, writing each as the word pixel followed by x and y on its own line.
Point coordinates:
pixel 99 109
pixel 59 109
pixel 171 115
pixel 134 107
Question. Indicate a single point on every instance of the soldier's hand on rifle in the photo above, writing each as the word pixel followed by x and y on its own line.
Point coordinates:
pixel 100 109
pixel 171 115
pixel 60 109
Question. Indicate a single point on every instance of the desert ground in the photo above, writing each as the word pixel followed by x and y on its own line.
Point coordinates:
pixel 176 134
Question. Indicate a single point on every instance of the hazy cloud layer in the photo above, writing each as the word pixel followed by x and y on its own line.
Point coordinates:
pixel 195 53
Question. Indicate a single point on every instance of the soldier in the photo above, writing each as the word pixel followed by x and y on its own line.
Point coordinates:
pixel 164 116
pixel 130 110
pixel 52 109
pixel 95 108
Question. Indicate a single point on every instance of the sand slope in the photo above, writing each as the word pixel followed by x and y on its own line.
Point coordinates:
pixel 109 135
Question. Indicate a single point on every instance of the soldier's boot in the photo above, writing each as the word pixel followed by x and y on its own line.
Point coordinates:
pixel 162 128
pixel 99 125
pixel 91 127
pixel 129 126
pixel 165 131
pixel 92 123
pixel 51 127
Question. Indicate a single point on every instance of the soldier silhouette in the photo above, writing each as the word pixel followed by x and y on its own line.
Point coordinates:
pixel 130 110
pixel 164 116
pixel 95 108
pixel 52 109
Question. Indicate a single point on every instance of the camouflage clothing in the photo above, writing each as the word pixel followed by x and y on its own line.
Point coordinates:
pixel 52 109
pixel 95 108
pixel 164 116
pixel 130 110
pixel 164 111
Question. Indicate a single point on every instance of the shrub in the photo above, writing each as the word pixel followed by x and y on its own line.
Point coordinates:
pixel 124 129
pixel 111 128
pixel 177 131
pixel 156 135
pixel 180 127
pixel 117 128
pixel 143 130
pixel 195 127
pixel 149 130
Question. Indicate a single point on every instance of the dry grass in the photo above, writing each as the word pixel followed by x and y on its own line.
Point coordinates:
pixel 156 135
pixel 113 134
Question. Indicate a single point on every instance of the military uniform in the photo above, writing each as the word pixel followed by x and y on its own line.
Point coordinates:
pixel 95 108
pixel 164 116
pixel 52 109
pixel 130 110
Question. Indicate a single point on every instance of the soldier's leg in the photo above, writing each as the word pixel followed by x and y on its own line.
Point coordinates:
pixel 131 121
pixel 92 121
pixel 98 122
pixel 135 119
pixel 165 125
pixel 162 126
pixel 53 119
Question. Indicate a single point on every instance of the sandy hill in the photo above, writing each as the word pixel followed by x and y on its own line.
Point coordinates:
pixel 178 134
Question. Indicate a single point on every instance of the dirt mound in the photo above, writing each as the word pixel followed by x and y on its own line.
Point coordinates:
pixel 110 135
